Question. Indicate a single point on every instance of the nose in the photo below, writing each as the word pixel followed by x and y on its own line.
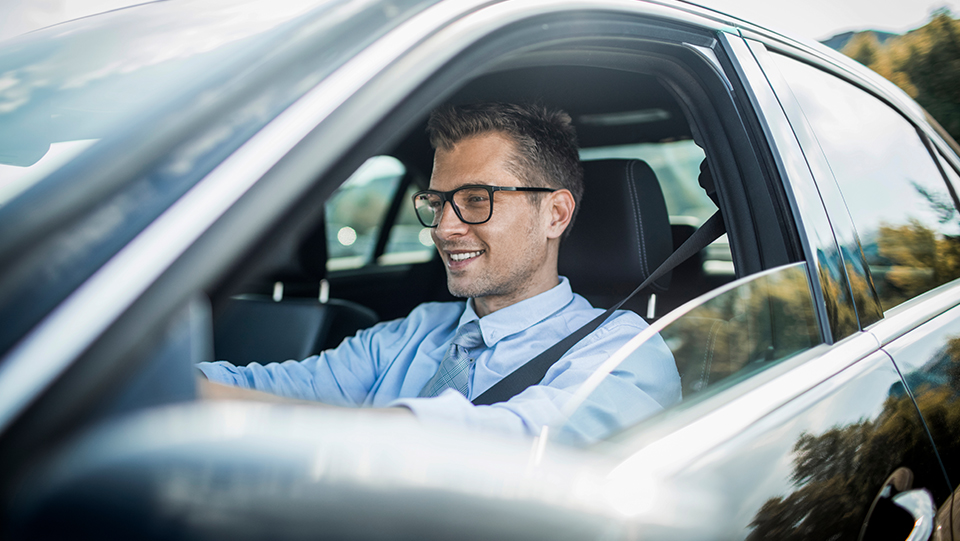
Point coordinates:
pixel 449 224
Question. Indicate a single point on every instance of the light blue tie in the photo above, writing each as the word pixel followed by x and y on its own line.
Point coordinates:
pixel 453 371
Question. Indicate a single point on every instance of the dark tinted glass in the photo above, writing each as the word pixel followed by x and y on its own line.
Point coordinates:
pixel 897 197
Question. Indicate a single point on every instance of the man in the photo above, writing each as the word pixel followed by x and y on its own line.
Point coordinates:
pixel 504 190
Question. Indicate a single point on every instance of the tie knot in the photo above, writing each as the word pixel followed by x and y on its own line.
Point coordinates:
pixel 469 335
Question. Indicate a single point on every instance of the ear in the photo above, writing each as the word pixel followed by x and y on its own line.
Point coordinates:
pixel 558 211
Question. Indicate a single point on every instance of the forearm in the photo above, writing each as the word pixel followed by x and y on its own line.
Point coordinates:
pixel 209 390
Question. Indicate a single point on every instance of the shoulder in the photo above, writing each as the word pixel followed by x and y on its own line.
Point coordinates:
pixel 617 330
pixel 579 312
pixel 621 327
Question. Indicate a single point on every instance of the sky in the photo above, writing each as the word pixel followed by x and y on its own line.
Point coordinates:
pixel 821 19
pixel 814 19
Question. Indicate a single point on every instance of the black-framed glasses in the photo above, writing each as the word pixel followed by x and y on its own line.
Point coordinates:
pixel 473 204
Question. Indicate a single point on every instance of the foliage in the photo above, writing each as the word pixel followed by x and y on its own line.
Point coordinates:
pixel 925 63
pixel 837 473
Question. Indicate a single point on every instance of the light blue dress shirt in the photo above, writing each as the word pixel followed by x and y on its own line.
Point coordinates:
pixel 389 363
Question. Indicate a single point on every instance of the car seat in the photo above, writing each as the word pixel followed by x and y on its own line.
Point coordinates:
pixel 273 327
pixel 621 234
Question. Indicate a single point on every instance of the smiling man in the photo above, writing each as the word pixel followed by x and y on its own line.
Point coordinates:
pixel 504 190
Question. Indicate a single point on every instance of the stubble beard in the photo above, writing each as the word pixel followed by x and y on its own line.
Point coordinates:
pixel 500 282
pixel 493 284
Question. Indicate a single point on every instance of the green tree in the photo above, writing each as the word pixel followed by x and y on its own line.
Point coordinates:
pixel 863 48
pixel 934 69
pixel 925 63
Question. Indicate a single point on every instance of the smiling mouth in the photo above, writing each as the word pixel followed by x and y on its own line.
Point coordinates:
pixel 465 255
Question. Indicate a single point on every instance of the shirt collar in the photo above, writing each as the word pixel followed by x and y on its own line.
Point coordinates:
pixel 520 316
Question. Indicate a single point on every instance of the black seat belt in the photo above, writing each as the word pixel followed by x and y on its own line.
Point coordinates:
pixel 532 371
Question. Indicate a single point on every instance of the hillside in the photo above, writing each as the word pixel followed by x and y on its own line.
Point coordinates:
pixel 924 62
pixel 840 41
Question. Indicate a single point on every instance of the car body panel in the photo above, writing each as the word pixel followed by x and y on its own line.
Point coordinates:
pixel 811 468
pixel 927 357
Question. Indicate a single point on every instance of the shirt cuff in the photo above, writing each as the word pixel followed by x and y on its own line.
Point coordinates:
pixel 222 372
pixel 447 407
pixel 452 408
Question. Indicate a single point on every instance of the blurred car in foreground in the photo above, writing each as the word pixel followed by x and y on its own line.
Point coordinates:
pixel 189 180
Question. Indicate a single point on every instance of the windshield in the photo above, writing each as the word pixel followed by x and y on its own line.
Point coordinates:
pixel 106 121
pixel 716 340
pixel 64 88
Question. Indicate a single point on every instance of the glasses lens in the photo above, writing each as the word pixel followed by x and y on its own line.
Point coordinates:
pixel 474 204
pixel 428 208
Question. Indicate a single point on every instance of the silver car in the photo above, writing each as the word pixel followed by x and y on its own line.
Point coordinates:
pixel 189 180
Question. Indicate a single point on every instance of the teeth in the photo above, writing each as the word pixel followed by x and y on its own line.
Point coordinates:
pixel 461 257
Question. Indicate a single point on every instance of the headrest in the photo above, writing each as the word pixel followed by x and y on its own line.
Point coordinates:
pixel 621 233
pixel 299 261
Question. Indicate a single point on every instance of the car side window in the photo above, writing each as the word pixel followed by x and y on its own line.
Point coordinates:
pixel 357 211
pixel 409 241
pixel 898 199
pixel 723 337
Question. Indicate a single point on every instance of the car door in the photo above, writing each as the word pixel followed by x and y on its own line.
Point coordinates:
pixel 894 194
pixel 795 423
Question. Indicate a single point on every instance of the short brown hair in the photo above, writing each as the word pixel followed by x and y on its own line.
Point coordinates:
pixel 546 142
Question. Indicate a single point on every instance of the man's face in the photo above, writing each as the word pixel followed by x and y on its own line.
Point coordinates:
pixel 502 261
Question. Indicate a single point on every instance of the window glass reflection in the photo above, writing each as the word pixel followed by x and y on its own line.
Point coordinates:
pixel 899 202
pixel 355 212
pixel 409 241
pixel 729 334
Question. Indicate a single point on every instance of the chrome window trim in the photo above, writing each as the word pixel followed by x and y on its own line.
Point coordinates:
pixel 416 47
pixel 910 314
pixel 838 64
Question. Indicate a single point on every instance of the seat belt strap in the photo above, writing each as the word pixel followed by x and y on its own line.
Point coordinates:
pixel 533 371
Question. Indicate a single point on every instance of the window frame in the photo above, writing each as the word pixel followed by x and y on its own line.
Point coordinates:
pixel 870 311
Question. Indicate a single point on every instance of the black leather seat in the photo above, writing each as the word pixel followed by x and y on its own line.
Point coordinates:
pixel 620 236
pixel 270 327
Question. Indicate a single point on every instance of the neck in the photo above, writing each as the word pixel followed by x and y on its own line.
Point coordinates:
pixel 484 306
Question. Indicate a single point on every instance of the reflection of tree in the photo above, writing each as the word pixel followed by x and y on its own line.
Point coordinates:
pixel 837 474
pixel 940 203
pixel 919 259
pixel 763 320
pixel 843 317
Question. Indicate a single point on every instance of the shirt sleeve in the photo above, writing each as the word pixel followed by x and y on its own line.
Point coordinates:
pixel 341 376
pixel 644 383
